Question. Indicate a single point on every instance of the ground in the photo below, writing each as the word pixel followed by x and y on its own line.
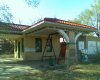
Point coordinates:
pixel 11 69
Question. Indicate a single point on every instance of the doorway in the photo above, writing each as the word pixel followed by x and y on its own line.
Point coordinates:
pixel 18 49
pixel 62 53
pixel 62 49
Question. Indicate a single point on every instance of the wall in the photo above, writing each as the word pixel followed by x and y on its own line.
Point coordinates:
pixel 29 48
pixel 93 45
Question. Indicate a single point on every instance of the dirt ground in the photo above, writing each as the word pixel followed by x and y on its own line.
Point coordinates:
pixel 9 67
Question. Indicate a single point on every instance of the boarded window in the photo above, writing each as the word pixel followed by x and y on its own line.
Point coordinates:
pixel 49 46
pixel 38 45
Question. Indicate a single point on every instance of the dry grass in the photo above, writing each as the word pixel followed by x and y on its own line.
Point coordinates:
pixel 79 72
pixel 6 55
pixel 29 71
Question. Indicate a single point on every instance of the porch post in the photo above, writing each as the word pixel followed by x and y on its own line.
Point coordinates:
pixel 71 57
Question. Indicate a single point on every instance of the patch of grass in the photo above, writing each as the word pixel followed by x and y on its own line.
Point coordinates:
pixel 6 55
pixel 86 71
pixel 78 72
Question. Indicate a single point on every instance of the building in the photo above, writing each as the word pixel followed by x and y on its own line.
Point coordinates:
pixel 35 42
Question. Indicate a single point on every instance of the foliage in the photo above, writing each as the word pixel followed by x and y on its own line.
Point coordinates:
pixel 7 46
pixel 5 15
pixel 90 16
pixel 32 2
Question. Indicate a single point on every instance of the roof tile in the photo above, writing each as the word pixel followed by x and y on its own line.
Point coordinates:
pixel 12 27
pixel 18 27
pixel 68 23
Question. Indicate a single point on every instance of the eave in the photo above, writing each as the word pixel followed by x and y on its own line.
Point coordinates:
pixel 46 24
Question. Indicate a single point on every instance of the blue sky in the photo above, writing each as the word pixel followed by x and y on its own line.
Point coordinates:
pixel 62 9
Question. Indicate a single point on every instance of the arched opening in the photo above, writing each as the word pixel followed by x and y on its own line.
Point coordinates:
pixel 80 41
pixel 77 36
pixel 62 51
pixel 65 36
pixel 63 41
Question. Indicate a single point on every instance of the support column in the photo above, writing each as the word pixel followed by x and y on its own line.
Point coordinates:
pixel 71 57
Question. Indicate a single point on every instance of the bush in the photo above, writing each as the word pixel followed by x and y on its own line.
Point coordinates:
pixel 7 47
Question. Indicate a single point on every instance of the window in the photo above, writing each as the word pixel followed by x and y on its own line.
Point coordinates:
pixel 49 45
pixel 38 45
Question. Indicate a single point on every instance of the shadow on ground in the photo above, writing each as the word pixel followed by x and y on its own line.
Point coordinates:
pixel 11 69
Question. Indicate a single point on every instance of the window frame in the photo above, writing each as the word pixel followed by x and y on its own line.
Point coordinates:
pixel 49 46
pixel 38 45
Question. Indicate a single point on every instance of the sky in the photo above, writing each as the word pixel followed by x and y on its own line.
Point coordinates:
pixel 61 9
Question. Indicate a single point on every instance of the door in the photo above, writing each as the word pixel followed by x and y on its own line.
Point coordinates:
pixel 18 49
pixel 62 52
pixel 62 49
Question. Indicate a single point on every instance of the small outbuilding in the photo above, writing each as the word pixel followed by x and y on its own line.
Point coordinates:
pixel 42 40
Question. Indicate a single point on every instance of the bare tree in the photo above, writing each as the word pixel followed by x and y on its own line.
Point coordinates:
pixel 5 15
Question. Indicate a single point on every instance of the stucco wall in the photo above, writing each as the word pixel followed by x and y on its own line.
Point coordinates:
pixel 29 48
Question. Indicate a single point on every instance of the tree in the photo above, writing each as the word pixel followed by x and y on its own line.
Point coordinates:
pixel 5 15
pixel 32 2
pixel 85 18
pixel 96 10
pixel 90 16
pixel 7 46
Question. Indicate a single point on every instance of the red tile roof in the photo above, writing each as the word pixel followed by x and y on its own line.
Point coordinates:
pixel 12 27
pixel 68 23
pixel 19 28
